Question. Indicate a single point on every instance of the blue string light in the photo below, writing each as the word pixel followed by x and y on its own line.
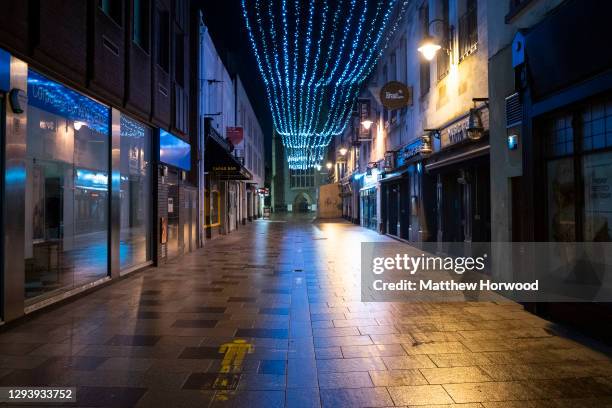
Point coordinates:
pixel 311 96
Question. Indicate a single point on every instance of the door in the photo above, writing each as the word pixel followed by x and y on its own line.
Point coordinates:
pixel 392 209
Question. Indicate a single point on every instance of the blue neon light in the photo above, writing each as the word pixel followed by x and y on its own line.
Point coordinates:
pixel 55 98
pixel 174 151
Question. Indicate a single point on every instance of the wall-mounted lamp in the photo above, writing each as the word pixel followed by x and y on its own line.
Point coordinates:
pixel 343 151
pixel 329 165
pixel 429 46
pixel 367 124
pixel 475 129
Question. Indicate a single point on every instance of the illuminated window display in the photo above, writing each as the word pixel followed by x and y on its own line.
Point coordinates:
pixel 66 244
pixel 135 235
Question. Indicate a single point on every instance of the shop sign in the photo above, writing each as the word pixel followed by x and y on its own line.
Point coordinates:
pixel 235 135
pixel 264 191
pixel 225 169
pixel 419 146
pixel 395 95
pixel 389 163
pixel 364 115
pixel 458 131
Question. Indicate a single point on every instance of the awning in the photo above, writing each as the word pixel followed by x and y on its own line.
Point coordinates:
pixel 456 158
pixel 394 176
pixel 219 161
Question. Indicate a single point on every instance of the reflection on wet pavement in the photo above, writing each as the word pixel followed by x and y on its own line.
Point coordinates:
pixel 270 316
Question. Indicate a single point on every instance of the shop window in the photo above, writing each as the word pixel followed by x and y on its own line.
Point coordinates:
pixel 140 23
pixel 135 192
pixel 67 188
pixel 212 203
pixel 597 171
pixel 579 173
pixel 301 178
pixel 561 200
pixel 424 66
pixel 113 9
pixel 468 29
pixel 162 41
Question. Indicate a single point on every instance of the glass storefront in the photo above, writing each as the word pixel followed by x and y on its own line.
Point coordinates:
pixel 368 208
pixel 67 188
pixel 579 173
pixel 135 235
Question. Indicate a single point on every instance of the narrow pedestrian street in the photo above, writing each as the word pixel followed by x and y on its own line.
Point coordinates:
pixel 270 316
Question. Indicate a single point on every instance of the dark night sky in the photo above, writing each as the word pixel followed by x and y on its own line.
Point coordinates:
pixel 228 31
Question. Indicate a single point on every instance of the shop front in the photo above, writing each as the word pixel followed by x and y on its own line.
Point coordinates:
pixel 460 168
pixel 395 193
pixel 223 176
pixel 347 195
pixel 564 193
pixel 407 192
pixel 369 199
pixel 79 188
pixel 177 202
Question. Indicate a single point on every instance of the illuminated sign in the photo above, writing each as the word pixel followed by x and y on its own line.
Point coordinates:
pixel 174 151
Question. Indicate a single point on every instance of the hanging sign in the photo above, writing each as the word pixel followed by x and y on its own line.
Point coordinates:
pixel 365 133
pixel 235 135
pixel 395 95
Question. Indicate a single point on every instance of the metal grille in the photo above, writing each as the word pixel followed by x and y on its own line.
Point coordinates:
pixel 514 110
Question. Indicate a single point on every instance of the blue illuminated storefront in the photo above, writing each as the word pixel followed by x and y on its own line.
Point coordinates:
pixel 177 199
pixel 80 215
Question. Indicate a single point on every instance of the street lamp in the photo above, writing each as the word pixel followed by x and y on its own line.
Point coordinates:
pixel 429 46
pixel 329 165
pixel 367 124
pixel 343 151
pixel 475 129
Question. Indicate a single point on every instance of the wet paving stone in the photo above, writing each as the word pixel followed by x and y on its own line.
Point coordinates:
pixel 283 325
pixel 195 324
pixel 201 353
pixel 244 299
pixel 263 333
pixel 109 396
pixel 274 311
pixel 212 381
pixel 149 315
pixel 135 340
pixel 278 367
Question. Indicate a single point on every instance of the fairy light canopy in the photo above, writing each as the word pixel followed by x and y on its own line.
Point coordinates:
pixel 313 57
